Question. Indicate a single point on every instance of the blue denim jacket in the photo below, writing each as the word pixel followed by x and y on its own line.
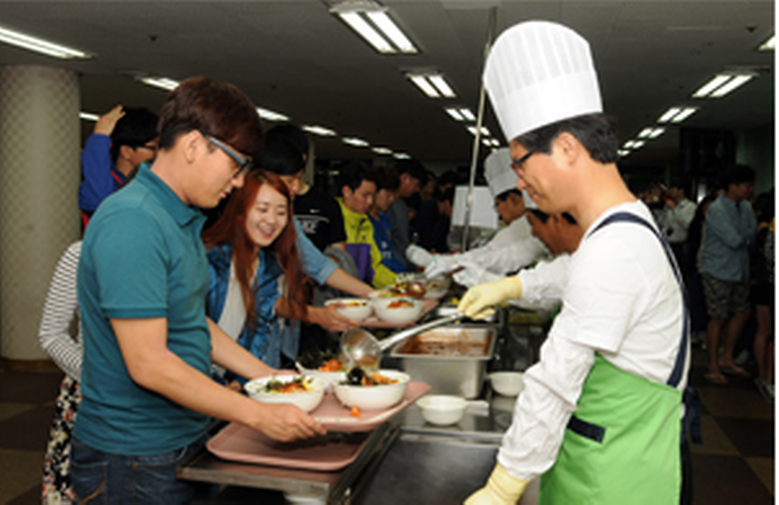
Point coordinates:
pixel 727 237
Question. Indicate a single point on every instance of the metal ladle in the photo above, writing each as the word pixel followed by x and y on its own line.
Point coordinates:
pixel 362 349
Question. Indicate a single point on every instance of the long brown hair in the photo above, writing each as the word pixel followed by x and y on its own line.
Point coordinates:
pixel 230 229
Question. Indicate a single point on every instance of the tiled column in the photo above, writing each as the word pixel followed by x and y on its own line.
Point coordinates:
pixel 39 177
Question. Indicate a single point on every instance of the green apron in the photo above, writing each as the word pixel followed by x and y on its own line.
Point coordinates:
pixel 622 445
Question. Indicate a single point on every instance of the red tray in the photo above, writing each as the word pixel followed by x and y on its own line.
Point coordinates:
pixel 237 442
pixel 335 417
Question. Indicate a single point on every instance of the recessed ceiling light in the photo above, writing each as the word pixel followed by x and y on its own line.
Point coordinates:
pixel 320 130
pixel 160 82
pixel 270 115
pixel 353 141
pixel 484 131
pixel 38 45
pixel 432 84
pixel 88 116
pixel 382 150
pixel 371 21
pixel 401 156
pixel 768 45
pixel 722 84
pixel 676 114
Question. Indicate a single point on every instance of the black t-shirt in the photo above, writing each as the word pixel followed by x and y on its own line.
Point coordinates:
pixel 320 218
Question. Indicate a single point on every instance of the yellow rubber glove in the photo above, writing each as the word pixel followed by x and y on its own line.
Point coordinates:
pixel 502 489
pixel 478 301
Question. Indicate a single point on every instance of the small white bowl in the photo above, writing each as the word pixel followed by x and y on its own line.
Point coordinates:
pixel 374 397
pixel 306 401
pixel 442 410
pixel 330 378
pixel 398 315
pixel 356 309
pixel 507 383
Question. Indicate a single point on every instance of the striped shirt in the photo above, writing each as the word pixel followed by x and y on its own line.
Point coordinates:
pixel 60 312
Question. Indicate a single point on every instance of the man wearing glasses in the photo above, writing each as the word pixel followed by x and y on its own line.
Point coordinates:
pixel 599 419
pixel 142 283
pixel 122 139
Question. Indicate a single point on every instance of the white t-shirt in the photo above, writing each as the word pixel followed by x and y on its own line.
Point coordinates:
pixel 621 300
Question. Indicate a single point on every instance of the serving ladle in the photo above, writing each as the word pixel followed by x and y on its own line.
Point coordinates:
pixel 361 349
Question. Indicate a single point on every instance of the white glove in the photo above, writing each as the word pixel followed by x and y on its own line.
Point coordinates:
pixel 418 255
pixel 442 264
pixel 472 274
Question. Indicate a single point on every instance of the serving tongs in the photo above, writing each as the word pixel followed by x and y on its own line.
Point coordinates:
pixel 361 349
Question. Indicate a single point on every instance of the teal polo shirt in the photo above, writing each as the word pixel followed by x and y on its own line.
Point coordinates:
pixel 142 258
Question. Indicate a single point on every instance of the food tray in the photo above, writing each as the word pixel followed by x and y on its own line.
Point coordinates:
pixel 335 417
pixel 374 322
pixel 237 442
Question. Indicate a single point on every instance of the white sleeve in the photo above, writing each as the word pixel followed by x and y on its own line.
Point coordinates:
pixel 552 389
pixel 542 286
pixel 59 310
pixel 510 258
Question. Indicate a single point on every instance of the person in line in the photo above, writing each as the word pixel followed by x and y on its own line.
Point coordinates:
pixel 148 346
pixel 724 268
pixel 286 153
pixel 512 247
pixel 764 300
pixel 544 283
pixel 358 190
pixel 679 213
pixel 599 418
pixel 387 183
pixel 412 177
pixel 256 273
pixel 122 139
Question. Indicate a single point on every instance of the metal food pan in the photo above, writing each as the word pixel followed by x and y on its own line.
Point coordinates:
pixel 451 359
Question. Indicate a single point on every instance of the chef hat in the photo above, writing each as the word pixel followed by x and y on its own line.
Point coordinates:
pixel 498 172
pixel 538 73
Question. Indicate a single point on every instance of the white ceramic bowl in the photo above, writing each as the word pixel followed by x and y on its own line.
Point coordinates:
pixel 306 401
pixel 374 397
pixel 397 315
pixel 353 308
pixel 330 378
pixel 442 409
pixel 507 383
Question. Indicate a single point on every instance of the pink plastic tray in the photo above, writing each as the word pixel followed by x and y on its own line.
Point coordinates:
pixel 237 442
pixel 335 417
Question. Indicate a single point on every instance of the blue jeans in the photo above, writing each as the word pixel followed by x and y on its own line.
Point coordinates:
pixel 99 477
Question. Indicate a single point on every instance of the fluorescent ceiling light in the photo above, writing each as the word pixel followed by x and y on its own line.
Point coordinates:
pixel 729 86
pixel 484 131
pixel 722 84
pixel 353 141
pixel 622 153
pixel 374 25
pixel 270 115
pixel 391 30
pixel 88 116
pixel 320 130
pixel 39 45
pixel 160 82
pixel 638 144
pixel 382 150
pixel 651 133
pixel 768 45
pixel 676 114
pixel 433 85
pixel 460 113
pixel 401 156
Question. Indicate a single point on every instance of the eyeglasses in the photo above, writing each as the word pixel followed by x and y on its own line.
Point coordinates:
pixel 517 165
pixel 244 163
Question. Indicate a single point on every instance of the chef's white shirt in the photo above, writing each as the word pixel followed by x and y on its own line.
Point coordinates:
pixel 621 300
pixel 512 248
pixel 543 285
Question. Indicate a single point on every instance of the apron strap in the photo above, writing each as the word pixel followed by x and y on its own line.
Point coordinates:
pixel 676 374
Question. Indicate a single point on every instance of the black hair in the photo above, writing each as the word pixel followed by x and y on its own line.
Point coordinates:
pixel 285 150
pixel 353 173
pixel 450 177
pixel 503 196
pixel 414 201
pixel 387 179
pixel 544 217
pixel 595 132
pixel 135 128
pixel 683 183
pixel 446 195
pixel 738 174
pixel 413 168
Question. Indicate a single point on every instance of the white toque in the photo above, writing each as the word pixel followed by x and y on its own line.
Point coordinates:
pixel 538 73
